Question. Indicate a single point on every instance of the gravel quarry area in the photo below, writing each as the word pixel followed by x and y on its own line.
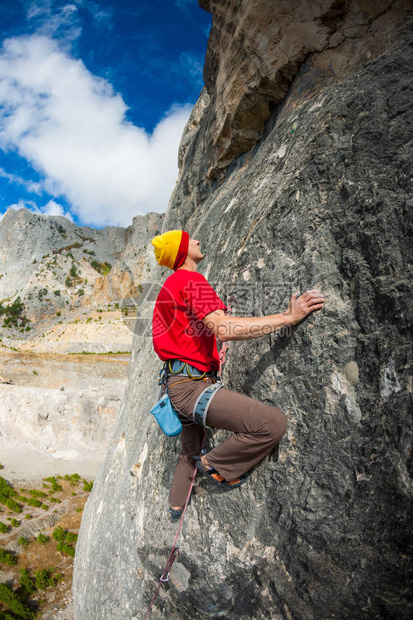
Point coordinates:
pixel 57 412
pixel 23 462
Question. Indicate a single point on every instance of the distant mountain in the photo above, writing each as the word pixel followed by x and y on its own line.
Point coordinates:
pixel 52 264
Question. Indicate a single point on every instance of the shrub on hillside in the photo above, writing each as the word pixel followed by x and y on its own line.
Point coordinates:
pixel 36 493
pixel 72 478
pixel 42 539
pixel 34 502
pixel 6 490
pixel 44 579
pixel 26 582
pixel 59 534
pixel 12 505
pixel 7 558
pixel 55 485
pixel 23 542
pixel 65 548
pixel 102 268
pixel 63 537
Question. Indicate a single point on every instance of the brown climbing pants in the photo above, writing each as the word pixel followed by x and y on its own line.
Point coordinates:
pixel 257 429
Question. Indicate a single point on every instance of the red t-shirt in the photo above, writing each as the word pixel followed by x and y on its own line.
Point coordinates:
pixel 177 328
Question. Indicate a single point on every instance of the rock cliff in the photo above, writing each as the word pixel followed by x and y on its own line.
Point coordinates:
pixel 295 173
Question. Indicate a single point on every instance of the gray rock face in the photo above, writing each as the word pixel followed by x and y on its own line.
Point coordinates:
pixel 256 48
pixel 323 528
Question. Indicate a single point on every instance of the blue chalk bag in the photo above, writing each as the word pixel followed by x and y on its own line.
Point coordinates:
pixel 167 417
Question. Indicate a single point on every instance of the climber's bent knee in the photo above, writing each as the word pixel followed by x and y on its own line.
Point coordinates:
pixel 277 425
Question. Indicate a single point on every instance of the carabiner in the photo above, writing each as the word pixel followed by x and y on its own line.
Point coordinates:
pixel 171 371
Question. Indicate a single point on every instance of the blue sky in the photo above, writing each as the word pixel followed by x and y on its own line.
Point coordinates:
pixel 94 95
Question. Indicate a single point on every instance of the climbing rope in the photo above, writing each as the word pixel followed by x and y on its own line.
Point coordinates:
pixel 225 346
pixel 175 549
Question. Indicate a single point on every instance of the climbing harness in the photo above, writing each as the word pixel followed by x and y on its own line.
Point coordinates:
pixel 201 406
pixel 178 367
pixel 164 412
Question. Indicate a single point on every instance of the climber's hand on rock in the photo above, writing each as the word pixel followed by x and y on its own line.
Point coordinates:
pixel 301 306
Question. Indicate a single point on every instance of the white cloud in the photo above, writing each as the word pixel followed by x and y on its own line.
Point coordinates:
pixel 28 204
pixel 31 186
pixel 192 65
pixel 50 208
pixel 50 20
pixel 71 126
pixel 53 208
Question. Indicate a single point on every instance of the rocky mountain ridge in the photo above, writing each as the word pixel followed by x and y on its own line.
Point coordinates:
pixel 60 270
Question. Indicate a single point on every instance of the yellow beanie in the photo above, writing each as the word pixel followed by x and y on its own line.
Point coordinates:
pixel 171 248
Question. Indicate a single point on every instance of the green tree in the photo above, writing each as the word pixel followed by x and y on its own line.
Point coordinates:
pixel 12 600
pixel 102 268
pixel 23 542
pixel 34 502
pixel 65 548
pixel 44 579
pixel 59 534
pixel 7 558
pixel 42 539
pixel 26 582
pixel 12 505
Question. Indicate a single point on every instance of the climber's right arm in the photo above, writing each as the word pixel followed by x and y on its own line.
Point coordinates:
pixel 228 328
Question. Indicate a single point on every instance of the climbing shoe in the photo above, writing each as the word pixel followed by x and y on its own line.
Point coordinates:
pixel 177 514
pixel 211 471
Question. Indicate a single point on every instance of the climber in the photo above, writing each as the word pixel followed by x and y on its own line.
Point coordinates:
pixel 188 319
